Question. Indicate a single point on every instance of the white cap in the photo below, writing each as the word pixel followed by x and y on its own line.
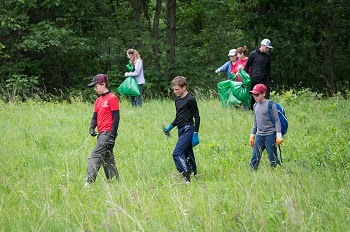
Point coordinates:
pixel 232 52
pixel 267 43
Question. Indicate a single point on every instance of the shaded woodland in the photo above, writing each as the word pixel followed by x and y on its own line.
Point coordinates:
pixel 54 46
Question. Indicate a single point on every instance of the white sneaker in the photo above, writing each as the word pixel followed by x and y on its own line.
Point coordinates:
pixel 86 185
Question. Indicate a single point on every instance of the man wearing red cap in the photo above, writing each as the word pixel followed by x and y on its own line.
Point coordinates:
pixel 106 118
pixel 265 134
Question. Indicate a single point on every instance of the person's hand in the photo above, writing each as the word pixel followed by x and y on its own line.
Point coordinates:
pixel 110 142
pixel 195 139
pixel 168 129
pixel 217 71
pixel 92 132
pixel 279 138
pixel 252 139
pixel 126 74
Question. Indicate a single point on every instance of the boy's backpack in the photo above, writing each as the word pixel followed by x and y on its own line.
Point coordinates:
pixel 283 120
pixel 281 115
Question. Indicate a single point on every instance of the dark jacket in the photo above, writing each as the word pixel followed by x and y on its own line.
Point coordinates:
pixel 260 64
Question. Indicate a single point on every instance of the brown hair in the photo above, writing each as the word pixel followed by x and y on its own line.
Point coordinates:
pixel 243 50
pixel 180 81
pixel 134 55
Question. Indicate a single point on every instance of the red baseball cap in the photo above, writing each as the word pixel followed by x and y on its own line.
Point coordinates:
pixel 99 78
pixel 259 88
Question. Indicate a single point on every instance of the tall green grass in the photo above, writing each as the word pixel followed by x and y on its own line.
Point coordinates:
pixel 44 149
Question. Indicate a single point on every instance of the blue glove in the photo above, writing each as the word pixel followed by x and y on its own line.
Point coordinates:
pixel 168 129
pixel 195 139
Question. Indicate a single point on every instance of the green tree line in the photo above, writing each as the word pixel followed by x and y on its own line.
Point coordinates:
pixel 53 45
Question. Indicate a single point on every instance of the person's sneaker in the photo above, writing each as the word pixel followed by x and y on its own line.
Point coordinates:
pixel 195 174
pixel 187 176
pixel 86 185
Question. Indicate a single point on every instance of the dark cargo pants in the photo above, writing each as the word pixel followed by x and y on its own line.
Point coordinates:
pixel 101 155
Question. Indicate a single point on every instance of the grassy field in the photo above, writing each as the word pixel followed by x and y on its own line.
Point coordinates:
pixel 44 149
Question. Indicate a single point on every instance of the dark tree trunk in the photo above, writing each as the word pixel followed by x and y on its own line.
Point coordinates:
pixel 154 31
pixel 170 38
pixel 137 15
pixel 331 64
pixel 330 47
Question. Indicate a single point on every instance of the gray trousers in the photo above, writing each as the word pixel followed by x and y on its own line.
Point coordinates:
pixel 101 156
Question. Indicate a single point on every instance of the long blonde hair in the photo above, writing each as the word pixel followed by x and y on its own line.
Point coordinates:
pixel 134 55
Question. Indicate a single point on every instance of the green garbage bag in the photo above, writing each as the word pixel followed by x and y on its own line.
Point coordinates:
pixel 245 78
pixel 241 92
pixel 129 67
pixel 129 87
pixel 225 93
pixel 234 93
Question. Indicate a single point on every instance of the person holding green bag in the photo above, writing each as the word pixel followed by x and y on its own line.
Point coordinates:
pixel 136 62
pixel 227 67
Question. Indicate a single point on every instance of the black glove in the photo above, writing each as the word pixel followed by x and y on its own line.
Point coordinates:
pixel 110 142
pixel 92 132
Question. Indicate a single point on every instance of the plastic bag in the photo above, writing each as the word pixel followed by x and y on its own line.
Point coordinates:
pixel 235 93
pixel 129 87
pixel 245 78
pixel 129 67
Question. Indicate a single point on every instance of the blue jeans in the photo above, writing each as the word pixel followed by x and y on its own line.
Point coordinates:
pixel 183 153
pixel 137 100
pixel 261 143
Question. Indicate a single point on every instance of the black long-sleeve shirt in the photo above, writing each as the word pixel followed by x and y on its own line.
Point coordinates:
pixel 186 110
pixel 260 63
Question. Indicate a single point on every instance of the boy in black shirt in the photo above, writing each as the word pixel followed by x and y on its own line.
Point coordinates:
pixel 186 110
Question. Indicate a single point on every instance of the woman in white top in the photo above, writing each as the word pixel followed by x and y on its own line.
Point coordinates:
pixel 136 62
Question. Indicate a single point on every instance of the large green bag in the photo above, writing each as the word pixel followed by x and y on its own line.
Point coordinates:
pixel 235 93
pixel 245 78
pixel 129 87
pixel 129 67
pixel 225 93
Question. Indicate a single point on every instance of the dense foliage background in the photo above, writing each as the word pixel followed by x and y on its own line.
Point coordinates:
pixel 52 46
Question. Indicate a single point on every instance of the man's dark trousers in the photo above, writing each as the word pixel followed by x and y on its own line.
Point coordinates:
pixel 101 156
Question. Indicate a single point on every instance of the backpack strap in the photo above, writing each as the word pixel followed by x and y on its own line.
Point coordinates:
pixel 270 112
pixel 273 122
pixel 254 107
pixel 279 148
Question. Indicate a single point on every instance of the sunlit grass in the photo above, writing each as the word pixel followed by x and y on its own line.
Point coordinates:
pixel 44 149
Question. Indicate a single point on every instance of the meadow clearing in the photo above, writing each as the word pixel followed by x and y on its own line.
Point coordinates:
pixel 44 148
